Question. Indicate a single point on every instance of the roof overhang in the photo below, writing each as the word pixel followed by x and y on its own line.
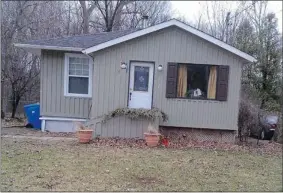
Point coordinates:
pixel 165 25
pixel 37 48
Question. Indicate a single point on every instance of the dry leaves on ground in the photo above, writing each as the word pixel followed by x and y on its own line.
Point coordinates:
pixel 269 148
pixel 13 122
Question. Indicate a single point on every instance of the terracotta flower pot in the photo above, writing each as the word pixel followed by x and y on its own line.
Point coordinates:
pixel 84 136
pixel 152 139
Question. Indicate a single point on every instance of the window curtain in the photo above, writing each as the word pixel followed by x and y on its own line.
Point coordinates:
pixel 211 91
pixel 182 81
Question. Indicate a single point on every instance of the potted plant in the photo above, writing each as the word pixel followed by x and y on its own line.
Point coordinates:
pixel 152 136
pixel 84 133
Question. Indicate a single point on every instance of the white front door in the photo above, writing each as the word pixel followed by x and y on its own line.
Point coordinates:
pixel 141 84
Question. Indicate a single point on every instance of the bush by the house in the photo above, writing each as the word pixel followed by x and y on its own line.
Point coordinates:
pixel 248 120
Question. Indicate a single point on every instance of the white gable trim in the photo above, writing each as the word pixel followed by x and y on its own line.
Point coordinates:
pixel 165 25
pixel 31 46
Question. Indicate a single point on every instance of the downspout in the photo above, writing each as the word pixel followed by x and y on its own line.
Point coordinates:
pixel 43 125
pixel 88 55
pixel 91 80
pixel 89 111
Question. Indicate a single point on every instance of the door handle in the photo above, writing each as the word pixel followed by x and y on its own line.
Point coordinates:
pixel 130 95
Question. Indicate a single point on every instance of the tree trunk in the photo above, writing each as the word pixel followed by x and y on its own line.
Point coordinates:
pixel 85 17
pixel 263 85
pixel 15 104
pixel 262 103
pixel 69 20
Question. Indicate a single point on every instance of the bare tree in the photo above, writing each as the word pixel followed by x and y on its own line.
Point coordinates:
pixel 22 76
pixel 220 20
pixel 157 12
pixel 108 14
pixel 86 11
pixel 24 20
pixel 20 69
pixel 116 15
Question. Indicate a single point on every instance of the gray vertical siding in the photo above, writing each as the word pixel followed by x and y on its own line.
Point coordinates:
pixel 121 127
pixel 110 83
pixel 52 99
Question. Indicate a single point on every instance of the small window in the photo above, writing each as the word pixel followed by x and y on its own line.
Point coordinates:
pixel 196 81
pixel 141 78
pixel 78 75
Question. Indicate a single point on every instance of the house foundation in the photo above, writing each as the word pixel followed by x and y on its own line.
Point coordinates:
pixel 183 134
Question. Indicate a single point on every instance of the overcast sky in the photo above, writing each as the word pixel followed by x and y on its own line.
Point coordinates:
pixel 190 9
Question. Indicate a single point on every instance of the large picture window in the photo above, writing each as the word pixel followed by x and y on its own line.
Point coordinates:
pixel 196 81
pixel 77 75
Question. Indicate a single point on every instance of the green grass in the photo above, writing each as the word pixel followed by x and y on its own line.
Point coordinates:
pixel 68 166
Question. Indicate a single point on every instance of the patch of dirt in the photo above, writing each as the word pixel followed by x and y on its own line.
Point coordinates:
pixel 119 142
pixel 59 134
pixel 34 132
pixel 148 180
pixel 13 122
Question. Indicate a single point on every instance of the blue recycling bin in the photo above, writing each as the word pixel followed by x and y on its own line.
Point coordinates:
pixel 32 112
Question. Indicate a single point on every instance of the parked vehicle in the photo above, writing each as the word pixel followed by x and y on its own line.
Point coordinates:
pixel 267 127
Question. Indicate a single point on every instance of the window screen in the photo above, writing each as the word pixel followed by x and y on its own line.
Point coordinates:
pixel 78 75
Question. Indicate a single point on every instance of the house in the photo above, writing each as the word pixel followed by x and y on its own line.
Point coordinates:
pixel 191 76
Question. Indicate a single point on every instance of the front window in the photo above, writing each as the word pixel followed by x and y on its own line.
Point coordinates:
pixel 78 75
pixel 196 81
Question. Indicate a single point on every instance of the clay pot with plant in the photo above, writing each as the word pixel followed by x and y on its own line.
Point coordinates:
pixel 84 133
pixel 152 136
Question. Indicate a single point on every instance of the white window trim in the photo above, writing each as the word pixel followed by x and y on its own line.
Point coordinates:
pixel 66 76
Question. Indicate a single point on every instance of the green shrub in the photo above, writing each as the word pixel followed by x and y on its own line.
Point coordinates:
pixel 136 114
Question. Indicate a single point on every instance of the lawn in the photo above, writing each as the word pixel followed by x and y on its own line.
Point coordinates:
pixel 29 165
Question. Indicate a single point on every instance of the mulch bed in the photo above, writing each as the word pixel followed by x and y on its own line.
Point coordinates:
pixel 268 148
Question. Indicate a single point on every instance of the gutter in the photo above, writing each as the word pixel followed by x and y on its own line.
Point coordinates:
pixel 31 46
pixel 89 56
